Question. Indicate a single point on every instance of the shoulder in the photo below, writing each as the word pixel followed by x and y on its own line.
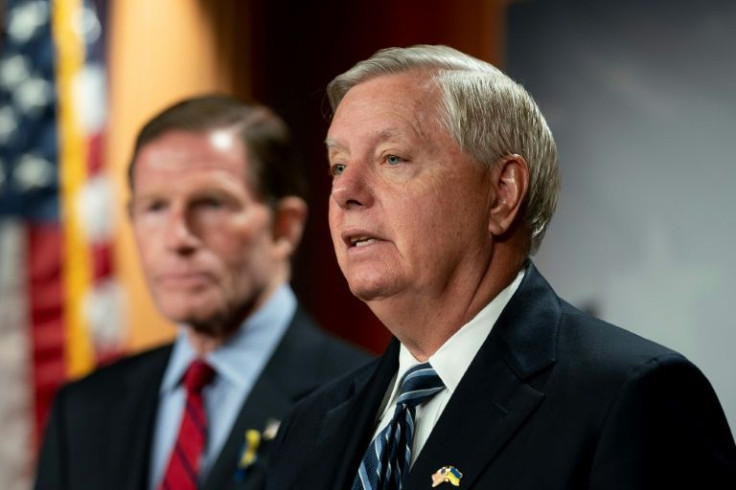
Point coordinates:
pixel 310 412
pixel 590 339
pixel 308 357
pixel 331 394
pixel 320 353
pixel 603 358
pixel 145 367
pixel 642 385
pixel 658 414
pixel 338 389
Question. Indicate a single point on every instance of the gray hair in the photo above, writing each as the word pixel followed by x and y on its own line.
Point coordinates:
pixel 486 112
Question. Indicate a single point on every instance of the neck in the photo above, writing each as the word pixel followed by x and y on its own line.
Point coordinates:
pixel 203 343
pixel 424 323
pixel 208 337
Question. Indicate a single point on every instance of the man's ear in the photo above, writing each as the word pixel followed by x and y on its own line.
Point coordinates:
pixel 290 216
pixel 510 181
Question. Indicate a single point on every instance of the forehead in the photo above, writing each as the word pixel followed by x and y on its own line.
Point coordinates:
pixel 387 107
pixel 182 153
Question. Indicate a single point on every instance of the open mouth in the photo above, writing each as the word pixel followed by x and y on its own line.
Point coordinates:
pixel 359 238
pixel 361 241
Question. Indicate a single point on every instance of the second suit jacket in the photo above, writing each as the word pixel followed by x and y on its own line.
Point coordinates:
pixel 554 399
pixel 99 432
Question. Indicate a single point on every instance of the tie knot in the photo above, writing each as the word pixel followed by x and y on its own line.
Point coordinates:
pixel 420 383
pixel 198 375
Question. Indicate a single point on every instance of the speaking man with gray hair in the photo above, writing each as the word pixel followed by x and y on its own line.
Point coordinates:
pixel 444 181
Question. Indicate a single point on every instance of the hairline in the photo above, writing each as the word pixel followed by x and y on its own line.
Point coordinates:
pixel 252 180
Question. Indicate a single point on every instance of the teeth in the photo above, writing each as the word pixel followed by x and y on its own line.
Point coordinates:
pixel 362 241
pixel 367 241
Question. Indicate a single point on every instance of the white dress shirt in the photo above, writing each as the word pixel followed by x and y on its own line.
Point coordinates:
pixel 450 362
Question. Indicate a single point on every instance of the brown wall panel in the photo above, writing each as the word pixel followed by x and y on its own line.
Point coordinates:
pixel 297 48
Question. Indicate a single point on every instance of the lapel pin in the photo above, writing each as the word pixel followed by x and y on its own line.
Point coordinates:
pixel 272 428
pixel 249 453
pixel 448 474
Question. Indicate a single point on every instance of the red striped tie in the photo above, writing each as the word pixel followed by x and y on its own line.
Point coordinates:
pixel 183 469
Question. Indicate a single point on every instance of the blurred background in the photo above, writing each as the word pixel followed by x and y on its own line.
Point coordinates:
pixel 640 96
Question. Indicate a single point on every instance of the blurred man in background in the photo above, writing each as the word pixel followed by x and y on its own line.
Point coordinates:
pixel 218 211
pixel 444 181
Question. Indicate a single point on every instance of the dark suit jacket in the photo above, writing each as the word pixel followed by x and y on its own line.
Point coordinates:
pixel 554 399
pixel 100 429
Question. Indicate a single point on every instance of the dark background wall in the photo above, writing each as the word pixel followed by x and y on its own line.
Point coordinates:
pixel 293 58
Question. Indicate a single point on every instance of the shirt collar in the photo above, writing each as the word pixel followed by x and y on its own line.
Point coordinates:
pixel 242 357
pixel 453 358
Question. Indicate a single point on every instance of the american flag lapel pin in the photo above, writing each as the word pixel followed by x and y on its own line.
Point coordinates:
pixel 272 428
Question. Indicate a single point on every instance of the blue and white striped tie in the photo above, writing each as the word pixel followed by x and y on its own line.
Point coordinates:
pixel 387 460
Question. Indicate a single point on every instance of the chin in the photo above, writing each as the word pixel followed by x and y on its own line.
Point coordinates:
pixel 367 291
pixel 187 314
pixel 190 318
pixel 181 305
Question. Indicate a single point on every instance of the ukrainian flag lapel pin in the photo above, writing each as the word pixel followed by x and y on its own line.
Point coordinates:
pixel 448 474
pixel 249 454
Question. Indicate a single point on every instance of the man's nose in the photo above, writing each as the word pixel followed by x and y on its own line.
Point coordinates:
pixel 181 237
pixel 352 188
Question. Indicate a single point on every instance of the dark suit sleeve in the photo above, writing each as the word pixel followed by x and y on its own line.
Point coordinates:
pixel 50 473
pixel 666 429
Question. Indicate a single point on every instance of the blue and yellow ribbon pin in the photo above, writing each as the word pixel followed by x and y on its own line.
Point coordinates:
pixel 249 454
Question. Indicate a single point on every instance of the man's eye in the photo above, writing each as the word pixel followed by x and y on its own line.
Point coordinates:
pixel 153 206
pixel 337 169
pixel 211 202
pixel 393 160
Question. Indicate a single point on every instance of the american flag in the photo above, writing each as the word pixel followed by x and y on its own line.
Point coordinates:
pixel 59 302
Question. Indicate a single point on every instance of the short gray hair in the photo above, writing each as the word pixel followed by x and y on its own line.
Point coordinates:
pixel 486 112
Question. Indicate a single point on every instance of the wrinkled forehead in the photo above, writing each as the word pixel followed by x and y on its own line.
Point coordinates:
pixel 413 86
pixel 388 106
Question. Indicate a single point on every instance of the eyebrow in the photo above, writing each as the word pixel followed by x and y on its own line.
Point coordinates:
pixel 381 136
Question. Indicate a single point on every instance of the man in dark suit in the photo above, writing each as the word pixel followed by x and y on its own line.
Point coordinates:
pixel 217 211
pixel 444 181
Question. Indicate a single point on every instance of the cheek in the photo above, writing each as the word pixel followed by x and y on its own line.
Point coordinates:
pixel 439 224
pixel 420 217
pixel 149 247
pixel 246 247
pixel 333 220
pixel 333 213
pixel 235 237
pixel 237 252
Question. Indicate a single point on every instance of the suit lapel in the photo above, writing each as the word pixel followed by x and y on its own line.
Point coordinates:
pixel 493 400
pixel 273 393
pixel 339 447
pixel 130 417
pixel 482 415
pixel 263 401
pixel 276 390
